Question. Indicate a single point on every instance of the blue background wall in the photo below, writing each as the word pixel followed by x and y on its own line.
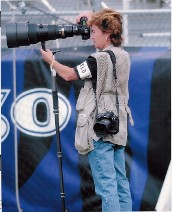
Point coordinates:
pixel 148 147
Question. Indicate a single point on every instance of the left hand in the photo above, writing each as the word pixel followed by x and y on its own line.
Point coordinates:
pixel 47 56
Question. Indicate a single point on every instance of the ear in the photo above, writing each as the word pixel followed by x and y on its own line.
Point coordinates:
pixel 107 35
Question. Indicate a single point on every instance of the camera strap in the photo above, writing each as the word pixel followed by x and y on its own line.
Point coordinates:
pixel 113 59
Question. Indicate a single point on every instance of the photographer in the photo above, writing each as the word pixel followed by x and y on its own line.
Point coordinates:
pixel 102 93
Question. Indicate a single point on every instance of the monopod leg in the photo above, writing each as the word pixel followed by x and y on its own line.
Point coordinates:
pixel 59 151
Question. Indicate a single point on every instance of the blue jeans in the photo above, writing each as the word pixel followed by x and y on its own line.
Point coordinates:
pixel 107 162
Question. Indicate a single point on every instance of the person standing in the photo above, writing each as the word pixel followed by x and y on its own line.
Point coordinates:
pixel 103 93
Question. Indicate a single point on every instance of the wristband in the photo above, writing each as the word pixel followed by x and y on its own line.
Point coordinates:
pixel 51 65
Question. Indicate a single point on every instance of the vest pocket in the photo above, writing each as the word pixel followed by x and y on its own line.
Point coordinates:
pixel 82 143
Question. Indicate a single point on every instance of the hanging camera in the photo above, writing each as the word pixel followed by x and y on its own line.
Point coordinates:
pixel 106 123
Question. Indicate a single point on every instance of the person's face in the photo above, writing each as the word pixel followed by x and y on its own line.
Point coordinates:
pixel 100 39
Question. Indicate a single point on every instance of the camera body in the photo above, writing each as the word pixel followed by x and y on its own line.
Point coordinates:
pixel 106 123
pixel 24 34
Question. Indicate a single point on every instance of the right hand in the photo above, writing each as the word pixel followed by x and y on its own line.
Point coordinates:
pixel 86 14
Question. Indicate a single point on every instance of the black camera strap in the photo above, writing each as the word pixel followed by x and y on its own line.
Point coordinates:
pixel 94 82
pixel 113 59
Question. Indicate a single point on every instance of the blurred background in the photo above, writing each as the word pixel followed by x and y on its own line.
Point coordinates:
pixel 145 22
pixel 30 176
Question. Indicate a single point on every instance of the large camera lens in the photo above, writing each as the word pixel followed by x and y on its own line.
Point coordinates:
pixel 15 33
pixel 101 127
pixel 24 34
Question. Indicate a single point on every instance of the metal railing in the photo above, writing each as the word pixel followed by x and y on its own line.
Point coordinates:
pixel 148 27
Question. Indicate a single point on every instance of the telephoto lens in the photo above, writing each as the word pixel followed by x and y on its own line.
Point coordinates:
pixel 24 34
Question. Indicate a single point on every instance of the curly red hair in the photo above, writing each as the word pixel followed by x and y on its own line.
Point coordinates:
pixel 109 21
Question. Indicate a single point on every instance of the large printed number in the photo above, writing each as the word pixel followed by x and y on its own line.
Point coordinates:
pixel 33 113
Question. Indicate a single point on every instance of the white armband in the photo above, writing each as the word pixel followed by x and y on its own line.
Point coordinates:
pixel 84 71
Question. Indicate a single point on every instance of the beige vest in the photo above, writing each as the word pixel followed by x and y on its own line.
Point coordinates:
pixel 106 100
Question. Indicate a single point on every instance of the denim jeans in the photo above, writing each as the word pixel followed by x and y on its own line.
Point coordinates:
pixel 107 162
